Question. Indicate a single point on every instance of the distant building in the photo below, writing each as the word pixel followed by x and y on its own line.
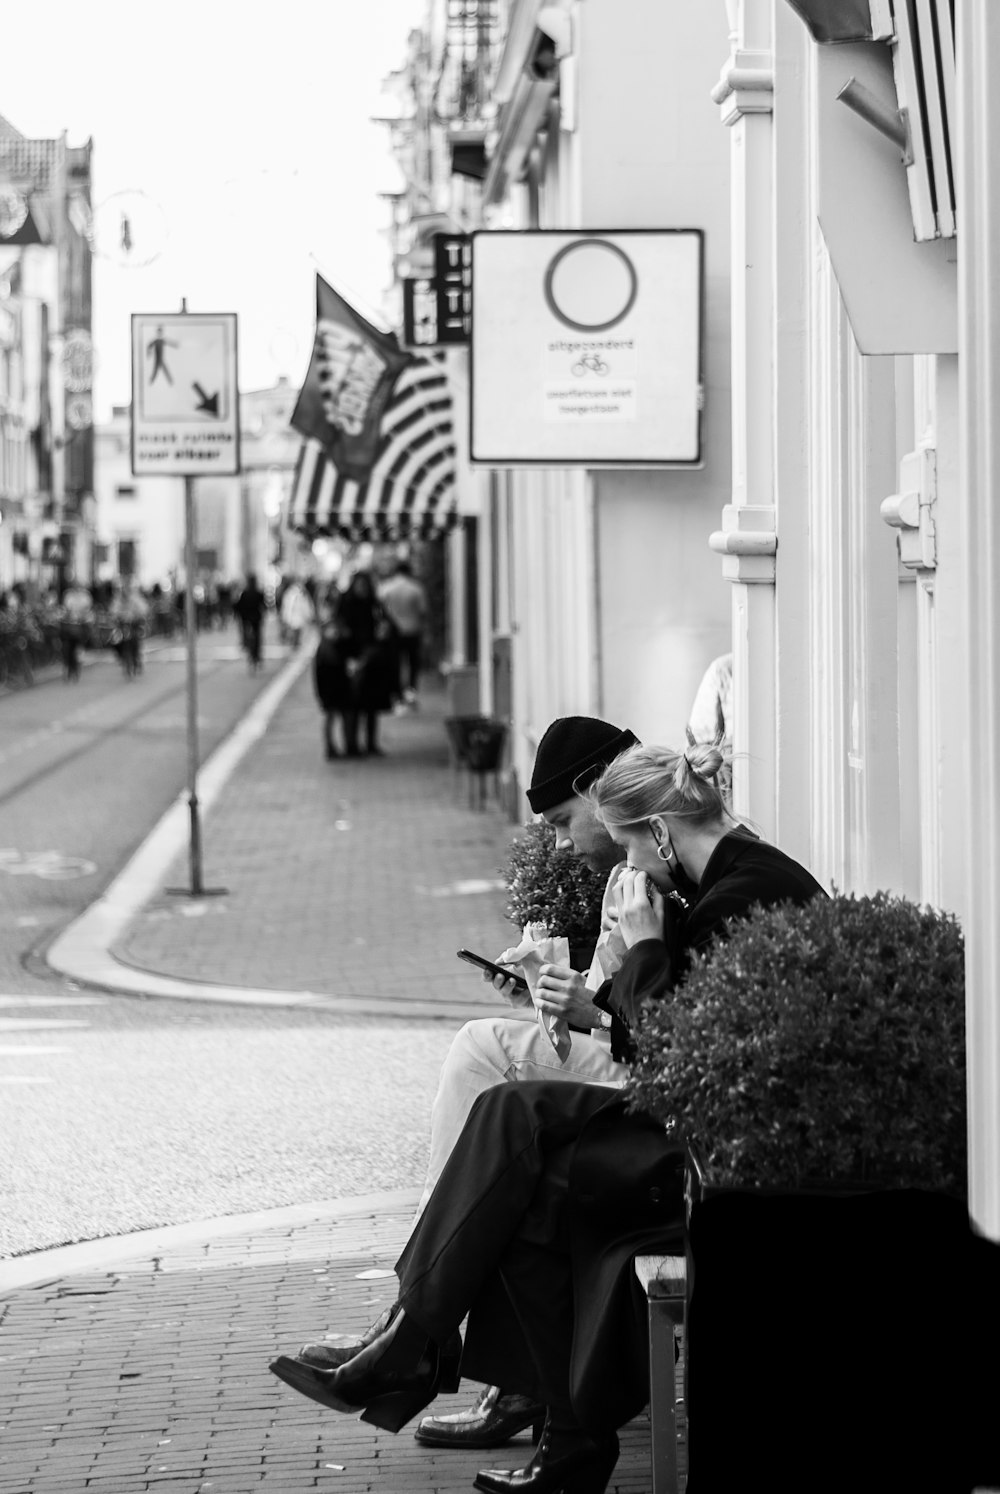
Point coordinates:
pixel 46 359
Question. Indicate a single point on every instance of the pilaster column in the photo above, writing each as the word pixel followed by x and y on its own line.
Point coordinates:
pixel 978 196
pixel 745 93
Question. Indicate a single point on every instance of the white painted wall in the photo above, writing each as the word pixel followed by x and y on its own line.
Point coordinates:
pixel 619 605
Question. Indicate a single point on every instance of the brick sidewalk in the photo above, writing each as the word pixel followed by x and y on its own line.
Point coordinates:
pixel 345 878
pixel 357 877
pixel 153 1375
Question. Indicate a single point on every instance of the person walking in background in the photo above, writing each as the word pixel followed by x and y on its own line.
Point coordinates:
pixel 77 616
pixel 405 602
pixel 296 612
pixel 130 614
pixel 334 689
pixel 251 604
pixel 366 639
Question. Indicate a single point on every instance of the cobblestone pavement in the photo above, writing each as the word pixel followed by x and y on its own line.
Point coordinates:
pixel 152 1374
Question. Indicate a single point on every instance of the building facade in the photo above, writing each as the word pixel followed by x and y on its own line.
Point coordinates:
pixel 836 157
pixel 46 351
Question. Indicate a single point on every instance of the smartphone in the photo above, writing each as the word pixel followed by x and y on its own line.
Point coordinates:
pixel 484 964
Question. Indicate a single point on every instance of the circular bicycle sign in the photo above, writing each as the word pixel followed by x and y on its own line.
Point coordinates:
pixel 591 285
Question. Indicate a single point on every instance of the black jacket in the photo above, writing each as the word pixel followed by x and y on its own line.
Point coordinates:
pixel 742 872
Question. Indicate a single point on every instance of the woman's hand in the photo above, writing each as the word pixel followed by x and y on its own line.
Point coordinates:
pixel 640 908
pixel 562 992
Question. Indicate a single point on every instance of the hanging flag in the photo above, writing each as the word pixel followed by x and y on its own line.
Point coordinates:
pixel 347 387
pixel 410 491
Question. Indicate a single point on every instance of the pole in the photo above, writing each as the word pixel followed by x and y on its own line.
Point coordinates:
pixel 191 626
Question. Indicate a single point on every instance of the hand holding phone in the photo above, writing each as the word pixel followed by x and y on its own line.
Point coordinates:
pixel 493 968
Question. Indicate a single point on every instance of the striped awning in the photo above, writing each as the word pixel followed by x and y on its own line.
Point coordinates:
pixel 410 492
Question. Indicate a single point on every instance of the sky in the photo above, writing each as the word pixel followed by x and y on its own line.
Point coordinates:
pixel 238 137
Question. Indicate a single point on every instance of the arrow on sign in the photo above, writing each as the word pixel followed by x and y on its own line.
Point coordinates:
pixel 207 402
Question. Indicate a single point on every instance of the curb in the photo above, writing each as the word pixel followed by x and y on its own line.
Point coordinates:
pixel 43 1266
pixel 84 951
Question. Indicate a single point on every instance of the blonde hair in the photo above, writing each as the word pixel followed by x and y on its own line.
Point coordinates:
pixel 644 781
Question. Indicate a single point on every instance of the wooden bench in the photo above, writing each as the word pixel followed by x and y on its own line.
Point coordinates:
pixel 664 1280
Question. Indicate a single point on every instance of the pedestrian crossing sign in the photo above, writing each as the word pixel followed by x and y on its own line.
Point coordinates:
pixel 185 394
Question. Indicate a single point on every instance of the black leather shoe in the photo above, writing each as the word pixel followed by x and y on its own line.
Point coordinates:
pixel 340 1347
pixel 389 1382
pixel 493 1420
pixel 566 1461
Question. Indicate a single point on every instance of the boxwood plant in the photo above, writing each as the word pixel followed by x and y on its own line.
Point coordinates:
pixel 552 887
pixel 816 1045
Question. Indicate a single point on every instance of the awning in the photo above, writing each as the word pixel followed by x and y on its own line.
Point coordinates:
pixel 410 492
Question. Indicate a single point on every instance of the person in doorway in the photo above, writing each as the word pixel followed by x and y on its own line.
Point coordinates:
pixel 495 1050
pixel 552 1189
pixel 405 602
pixel 250 608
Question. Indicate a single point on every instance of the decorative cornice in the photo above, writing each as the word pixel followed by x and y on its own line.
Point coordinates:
pixel 747 542
pixel 745 86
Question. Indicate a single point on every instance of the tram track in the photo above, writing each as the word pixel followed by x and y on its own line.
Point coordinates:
pixel 95 735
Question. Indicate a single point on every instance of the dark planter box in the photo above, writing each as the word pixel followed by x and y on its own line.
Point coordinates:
pixel 836 1341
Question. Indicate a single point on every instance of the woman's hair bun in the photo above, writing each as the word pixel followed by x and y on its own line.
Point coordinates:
pixel 704 759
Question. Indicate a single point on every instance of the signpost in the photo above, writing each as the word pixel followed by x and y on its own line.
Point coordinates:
pixel 586 348
pixel 185 423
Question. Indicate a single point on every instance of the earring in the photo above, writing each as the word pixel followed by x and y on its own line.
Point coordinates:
pixel 664 852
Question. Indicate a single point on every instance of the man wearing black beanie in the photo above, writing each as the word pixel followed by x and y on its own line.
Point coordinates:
pixel 572 752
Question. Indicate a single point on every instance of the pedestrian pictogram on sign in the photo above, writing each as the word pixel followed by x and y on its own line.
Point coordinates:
pixel 185 396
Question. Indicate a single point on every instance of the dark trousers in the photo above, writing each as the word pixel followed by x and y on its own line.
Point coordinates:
pixel 409 660
pixel 493 1240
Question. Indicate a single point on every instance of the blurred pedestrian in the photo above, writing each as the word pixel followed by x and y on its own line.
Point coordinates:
pixel 365 635
pixel 76 619
pixel 334 688
pixel 405 603
pixel 251 605
pixel 296 612
pixel 130 615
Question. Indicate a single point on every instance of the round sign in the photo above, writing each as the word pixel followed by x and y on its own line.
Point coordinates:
pixel 591 285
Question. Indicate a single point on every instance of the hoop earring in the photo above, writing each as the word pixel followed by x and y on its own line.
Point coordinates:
pixel 664 852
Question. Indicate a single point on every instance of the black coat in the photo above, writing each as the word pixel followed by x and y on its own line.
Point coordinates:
pixel 365 642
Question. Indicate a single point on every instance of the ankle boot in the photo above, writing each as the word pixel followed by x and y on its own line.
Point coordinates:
pixel 566 1461
pixel 338 1348
pixel 389 1382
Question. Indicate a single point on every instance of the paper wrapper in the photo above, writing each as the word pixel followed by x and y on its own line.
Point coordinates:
pixel 535 950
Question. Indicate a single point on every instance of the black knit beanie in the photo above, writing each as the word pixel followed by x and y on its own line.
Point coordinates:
pixel 569 747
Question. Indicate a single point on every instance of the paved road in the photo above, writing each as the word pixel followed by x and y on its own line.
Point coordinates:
pixel 120 1113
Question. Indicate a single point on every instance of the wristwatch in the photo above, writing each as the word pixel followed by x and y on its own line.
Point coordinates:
pixel 604 1019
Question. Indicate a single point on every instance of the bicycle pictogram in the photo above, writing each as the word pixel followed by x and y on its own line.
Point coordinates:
pixel 589 363
pixel 52 866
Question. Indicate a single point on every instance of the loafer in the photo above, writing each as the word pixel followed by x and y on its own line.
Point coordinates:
pixel 493 1420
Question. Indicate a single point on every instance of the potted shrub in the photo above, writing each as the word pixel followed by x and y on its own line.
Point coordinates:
pixel 814 1064
pixel 554 888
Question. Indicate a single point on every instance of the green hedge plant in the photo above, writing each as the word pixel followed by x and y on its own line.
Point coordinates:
pixel 552 887
pixel 816 1045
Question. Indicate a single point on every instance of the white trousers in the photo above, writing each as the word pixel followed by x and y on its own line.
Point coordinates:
pixel 501 1050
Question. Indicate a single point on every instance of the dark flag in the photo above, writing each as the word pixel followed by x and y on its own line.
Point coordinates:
pixel 348 384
